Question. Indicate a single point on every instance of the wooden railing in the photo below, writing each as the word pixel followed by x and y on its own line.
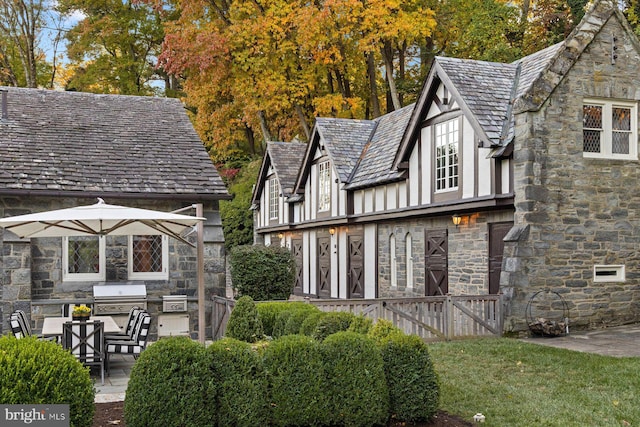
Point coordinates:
pixel 432 318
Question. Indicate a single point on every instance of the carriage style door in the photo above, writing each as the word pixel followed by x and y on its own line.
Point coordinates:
pixel 355 275
pixel 296 247
pixel 497 232
pixel 436 263
pixel 324 267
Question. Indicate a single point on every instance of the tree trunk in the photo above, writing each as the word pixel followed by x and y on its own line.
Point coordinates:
pixel 387 56
pixel 303 121
pixel 373 87
pixel 263 127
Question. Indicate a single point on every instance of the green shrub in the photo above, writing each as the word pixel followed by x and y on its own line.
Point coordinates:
pixel 262 272
pixel 242 386
pixel 357 387
pixel 244 322
pixel 288 321
pixel 41 372
pixel 360 325
pixel 297 382
pixel 331 323
pixel 171 385
pixel 382 329
pixel 268 313
pixel 296 319
pixel 411 378
pixel 309 325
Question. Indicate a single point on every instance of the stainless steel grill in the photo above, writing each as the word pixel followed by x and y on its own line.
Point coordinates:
pixel 118 299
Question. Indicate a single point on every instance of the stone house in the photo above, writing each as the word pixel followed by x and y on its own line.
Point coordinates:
pixel 502 178
pixel 65 149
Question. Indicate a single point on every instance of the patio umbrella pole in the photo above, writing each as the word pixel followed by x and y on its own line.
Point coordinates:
pixel 200 255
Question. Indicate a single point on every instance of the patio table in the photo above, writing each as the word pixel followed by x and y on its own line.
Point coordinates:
pixel 52 326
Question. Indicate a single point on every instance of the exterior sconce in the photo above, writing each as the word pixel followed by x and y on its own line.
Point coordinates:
pixel 332 230
pixel 280 235
pixel 456 220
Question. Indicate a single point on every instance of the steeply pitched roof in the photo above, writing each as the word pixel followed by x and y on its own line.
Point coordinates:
pixel 59 142
pixel 485 88
pixel 376 160
pixel 286 159
pixel 344 139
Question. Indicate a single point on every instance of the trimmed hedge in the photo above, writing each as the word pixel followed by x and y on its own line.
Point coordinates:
pixel 244 323
pixel 262 272
pixel 357 385
pixel 242 385
pixel 331 323
pixel 42 372
pixel 268 313
pixel 411 379
pixel 171 385
pixel 383 329
pixel 360 325
pixel 288 322
pixel 309 325
pixel 298 388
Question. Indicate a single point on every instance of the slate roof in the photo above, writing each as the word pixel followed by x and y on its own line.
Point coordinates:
pixel 58 142
pixel 344 139
pixel 286 159
pixel 376 160
pixel 485 87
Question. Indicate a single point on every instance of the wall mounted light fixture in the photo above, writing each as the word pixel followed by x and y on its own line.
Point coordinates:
pixel 332 230
pixel 280 235
pixel 456 220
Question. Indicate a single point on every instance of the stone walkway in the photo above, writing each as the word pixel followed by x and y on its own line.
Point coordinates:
pixel 619 341
pixel 115 384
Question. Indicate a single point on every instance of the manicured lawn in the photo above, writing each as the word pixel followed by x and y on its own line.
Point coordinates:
pixel 519 384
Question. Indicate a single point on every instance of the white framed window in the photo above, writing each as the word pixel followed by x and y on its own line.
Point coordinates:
pixel 148 257
pixel 609 129
pixel 447 144
pixel 83 258
pixel 274 199
pixel 393 273
pixel 409 255
pixel 608 273
pixel 324 186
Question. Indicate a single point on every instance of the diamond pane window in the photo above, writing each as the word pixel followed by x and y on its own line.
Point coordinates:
pixel 609 130
pixel 324 186
pixel 84 255
pixel 147 254
pixel 83 258
pixel 274 199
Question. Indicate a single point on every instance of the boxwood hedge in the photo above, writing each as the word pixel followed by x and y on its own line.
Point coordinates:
pixel 42 372
pixel 244 322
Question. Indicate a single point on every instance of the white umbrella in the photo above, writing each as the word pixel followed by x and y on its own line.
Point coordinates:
pixel 102 219
pixel 99 219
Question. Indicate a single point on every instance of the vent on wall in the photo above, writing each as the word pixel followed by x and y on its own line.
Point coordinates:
pixel 608 273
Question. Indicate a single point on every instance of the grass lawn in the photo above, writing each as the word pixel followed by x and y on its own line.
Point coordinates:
pixel 514 383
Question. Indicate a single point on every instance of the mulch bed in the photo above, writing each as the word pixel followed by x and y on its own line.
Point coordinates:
pixel 111 414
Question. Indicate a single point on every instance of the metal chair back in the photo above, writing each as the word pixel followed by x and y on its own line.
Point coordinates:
pixel 85 340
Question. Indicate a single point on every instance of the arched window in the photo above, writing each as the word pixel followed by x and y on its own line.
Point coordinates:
pixel 392 259
pixel 409 254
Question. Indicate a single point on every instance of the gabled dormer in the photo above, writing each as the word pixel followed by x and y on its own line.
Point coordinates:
pixel 275 183
pixel 333 152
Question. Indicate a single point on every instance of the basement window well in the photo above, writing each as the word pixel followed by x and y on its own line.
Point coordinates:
pixel 608 273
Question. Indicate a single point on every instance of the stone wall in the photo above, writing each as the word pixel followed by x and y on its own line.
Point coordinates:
pixel 468 253
pixel 32 270
pixel 572 212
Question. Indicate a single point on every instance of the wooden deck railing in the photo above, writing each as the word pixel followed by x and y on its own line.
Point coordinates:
pixel 432 318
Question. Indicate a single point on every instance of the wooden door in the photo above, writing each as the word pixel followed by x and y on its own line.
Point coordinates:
pixel 324 267
pixel 497 231
pixel 436 263
pixel 296 248
pixel 355 275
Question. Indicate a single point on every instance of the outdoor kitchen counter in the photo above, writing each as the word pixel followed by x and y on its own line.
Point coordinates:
pixel 52 326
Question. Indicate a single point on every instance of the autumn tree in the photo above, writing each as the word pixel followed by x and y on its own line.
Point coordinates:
pixel 20 24
pixel 115 47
